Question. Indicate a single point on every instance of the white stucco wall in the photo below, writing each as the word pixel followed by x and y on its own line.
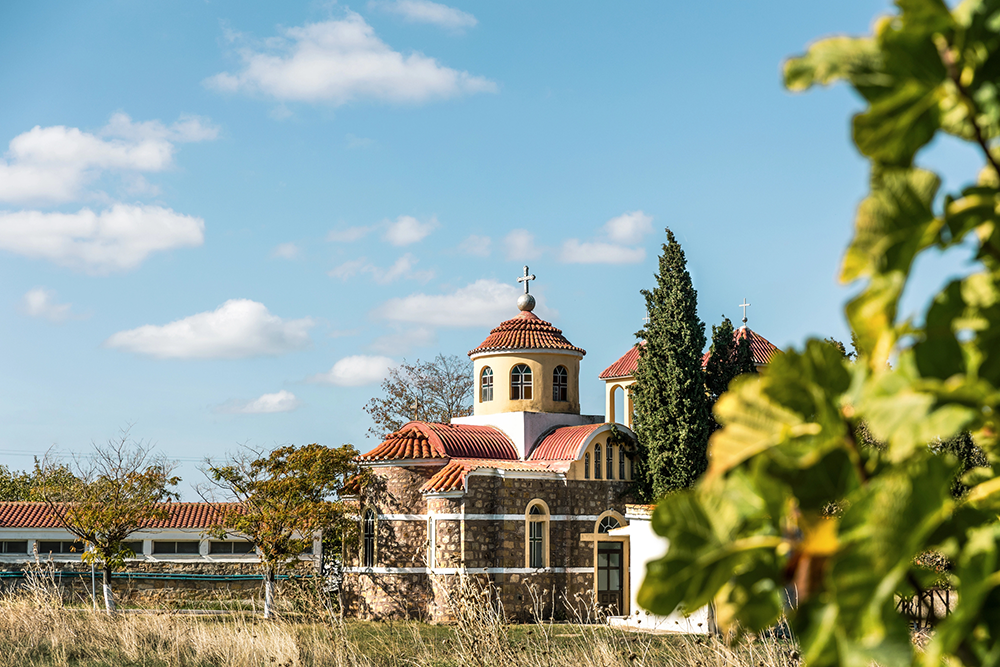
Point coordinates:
pixel 645 546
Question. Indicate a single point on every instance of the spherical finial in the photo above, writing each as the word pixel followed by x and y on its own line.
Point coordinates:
pixel 526 302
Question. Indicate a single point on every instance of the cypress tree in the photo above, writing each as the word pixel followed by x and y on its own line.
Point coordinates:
pixel 672 419
pixel 720 367
pixel 729 357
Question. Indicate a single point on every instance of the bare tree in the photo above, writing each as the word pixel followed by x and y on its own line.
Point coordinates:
pixel 435 390
pixel 120 488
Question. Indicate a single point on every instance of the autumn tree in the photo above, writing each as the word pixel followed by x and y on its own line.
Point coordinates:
pixel 116 490
pixel 278 500
pixel 25 485
pixel 434 391
pixel 754 527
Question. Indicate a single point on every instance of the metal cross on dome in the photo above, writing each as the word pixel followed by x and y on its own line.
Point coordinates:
pixel 744 307
pixel 525 278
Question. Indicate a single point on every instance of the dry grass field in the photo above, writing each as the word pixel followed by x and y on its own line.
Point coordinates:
pixel 38 630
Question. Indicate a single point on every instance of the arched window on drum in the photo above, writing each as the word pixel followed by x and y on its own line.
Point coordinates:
pixel 520 383
pixel 560 384
pixel 486 385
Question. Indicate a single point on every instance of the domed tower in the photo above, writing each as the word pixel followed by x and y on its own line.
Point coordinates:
pixel 527 378
pixel 526 365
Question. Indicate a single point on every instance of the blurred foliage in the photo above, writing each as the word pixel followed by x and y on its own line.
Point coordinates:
pixel 883 438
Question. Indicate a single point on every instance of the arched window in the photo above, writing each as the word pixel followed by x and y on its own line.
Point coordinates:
pixel 560 384
pixel 597 461
pixel 368 538
pixel 611 461
pixel 607 524
pixel 537 533
pixel 586 465
pixel 520 383
pixel 486 385
pixel 621 462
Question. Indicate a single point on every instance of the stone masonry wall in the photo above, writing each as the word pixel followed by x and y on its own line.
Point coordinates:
pixel 483 543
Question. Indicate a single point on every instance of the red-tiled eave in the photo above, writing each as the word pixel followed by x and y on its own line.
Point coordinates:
pixel 625 366
pixel 526 332
pixel 452 477
pixel 430 440
pixel 181 515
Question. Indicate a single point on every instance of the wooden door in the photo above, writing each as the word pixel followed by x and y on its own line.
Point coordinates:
pixel 610 576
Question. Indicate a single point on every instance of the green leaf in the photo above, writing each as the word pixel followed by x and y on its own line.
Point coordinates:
pixel 938 353
pixel 894 223
pixel 831 59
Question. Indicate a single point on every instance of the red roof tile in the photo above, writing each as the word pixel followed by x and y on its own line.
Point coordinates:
pixel 526 332
pixel 761 348
pixel 452 477
pixel 566 442
pixel 38 515
pixel 625 366
pixel 427 440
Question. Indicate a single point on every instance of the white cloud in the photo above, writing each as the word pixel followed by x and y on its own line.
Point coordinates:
pixel 54 164
pixel 483 303
pixel 358 142
pixel 237 329
pixel 40 302
pixel 282 401
pixel 286 251
pixel 348 235
pixel 424 11
pixel 520 245
pixel 340 61
pixel 620 235
pixel 355 371
pixel 407 229
pixel 629 228
pixel 477 246
pixel 348 269
pixel 116 239
pixel 577 252
pixel 403 341
pixel 401 268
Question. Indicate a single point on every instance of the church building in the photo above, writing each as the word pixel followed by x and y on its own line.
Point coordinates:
pixel 527 493
pixel 523 493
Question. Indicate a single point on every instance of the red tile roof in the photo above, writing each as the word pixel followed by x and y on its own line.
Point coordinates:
pixel 428 440
pixel 452 477
pixel 625 366
pixel 182 515
pixel 761 348
pixel 563 443
pixel 526 332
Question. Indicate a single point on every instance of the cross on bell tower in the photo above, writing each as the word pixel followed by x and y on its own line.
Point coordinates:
pixel 526 302
pixel 744 307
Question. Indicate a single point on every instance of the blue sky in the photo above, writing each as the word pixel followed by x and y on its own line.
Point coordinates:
pixel 221 221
